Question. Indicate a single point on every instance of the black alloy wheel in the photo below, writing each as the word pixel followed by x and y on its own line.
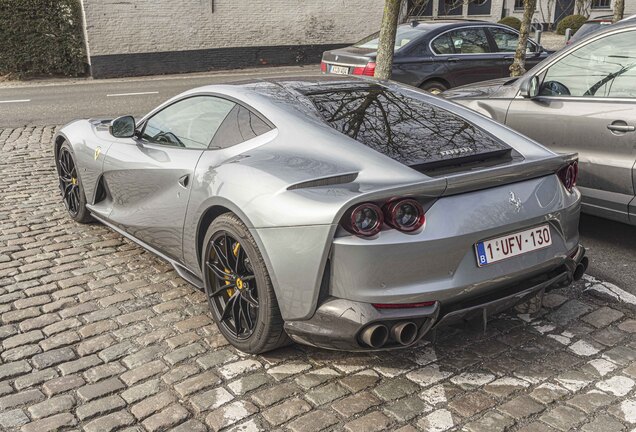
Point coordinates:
pixel 234 296
pixel 238 287
pixel 69 183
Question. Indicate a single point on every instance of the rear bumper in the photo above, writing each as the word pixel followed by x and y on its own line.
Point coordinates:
pixel 338 323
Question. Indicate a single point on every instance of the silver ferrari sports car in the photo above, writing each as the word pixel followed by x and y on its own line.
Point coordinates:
pixel 343 213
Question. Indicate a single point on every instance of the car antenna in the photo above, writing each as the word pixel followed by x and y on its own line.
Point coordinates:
pixel 415 23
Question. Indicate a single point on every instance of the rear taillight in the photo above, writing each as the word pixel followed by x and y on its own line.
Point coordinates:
pixel 323 67
pixel 568 175
pixel 364 220
pixel 406 215
pixel 367 219
pixel 368 70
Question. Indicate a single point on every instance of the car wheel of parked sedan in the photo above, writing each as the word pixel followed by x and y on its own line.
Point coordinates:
pixel 71 186
pixel 434 87
pixel 238 288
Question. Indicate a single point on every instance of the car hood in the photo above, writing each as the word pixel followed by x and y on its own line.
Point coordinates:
pixel 498 88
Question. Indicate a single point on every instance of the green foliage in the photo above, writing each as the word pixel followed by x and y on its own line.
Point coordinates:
pixel 41 37
pixel 511 21
pixel 571 21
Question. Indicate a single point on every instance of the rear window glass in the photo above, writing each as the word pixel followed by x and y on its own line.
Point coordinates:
pixel 405 129
pixel 403 37
pixel 240 125
pixel 443 45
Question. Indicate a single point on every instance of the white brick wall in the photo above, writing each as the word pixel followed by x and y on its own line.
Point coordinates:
pixel 141 26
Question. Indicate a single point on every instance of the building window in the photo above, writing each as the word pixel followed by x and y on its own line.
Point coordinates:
pixel 601 4
pixel 479 7
pixel 518 4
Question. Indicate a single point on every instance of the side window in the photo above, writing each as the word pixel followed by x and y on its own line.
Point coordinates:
pixel 443 45
pixel 189 123
pixel 240 125
pixel 507 40
pixel 470 41
pixel 604 68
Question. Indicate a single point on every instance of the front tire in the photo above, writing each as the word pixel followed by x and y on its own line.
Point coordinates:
pixel 239 291
pixel 71 186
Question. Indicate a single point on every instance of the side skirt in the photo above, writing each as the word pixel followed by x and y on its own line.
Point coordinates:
pixel 186 274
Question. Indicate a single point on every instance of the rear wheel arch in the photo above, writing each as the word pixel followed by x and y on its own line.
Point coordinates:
pixel 226 207
pixel 441 81
pixel 206 220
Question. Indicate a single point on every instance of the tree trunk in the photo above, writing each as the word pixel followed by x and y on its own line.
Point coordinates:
pixel 619 10
pixel 386 46
pixel 518 66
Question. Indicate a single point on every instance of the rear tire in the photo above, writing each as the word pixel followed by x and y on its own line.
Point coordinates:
pixel 71 185
pixel 244 267
pixel 434 87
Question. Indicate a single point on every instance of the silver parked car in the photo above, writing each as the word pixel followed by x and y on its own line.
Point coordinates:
pixel 339 212
pixel 582 100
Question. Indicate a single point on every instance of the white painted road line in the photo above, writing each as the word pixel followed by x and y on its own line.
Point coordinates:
pixel 132 94
pixel 15 101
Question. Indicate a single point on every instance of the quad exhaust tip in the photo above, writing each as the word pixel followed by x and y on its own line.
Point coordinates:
pixel 375 335
pixel 404 332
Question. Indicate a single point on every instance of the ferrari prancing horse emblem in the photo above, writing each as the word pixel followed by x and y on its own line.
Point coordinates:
pixel 516 202
pixel 98 150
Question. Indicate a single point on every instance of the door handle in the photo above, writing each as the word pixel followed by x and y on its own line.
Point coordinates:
pixel 452 59
pixel 508 58
pixel 623 128
pixel 184 181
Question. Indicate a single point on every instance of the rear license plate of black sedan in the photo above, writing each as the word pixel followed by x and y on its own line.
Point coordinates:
pixel 511 245
pixel 339 70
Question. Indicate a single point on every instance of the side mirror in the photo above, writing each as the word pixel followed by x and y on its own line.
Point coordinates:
pixel 123 127
pixel 530 87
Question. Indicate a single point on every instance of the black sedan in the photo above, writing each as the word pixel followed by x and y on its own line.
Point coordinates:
pixel 438 55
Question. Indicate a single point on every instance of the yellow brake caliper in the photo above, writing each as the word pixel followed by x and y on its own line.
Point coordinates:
pixel 239 282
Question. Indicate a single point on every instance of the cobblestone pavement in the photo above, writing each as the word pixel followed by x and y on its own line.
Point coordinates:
pixel 97 334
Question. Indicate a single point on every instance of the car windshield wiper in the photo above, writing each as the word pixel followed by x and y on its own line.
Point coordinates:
pixel 592 90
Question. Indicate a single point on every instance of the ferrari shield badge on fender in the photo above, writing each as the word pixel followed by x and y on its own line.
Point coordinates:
pixel 98 150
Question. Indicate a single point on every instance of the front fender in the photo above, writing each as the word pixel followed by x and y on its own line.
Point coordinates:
pixel 88 151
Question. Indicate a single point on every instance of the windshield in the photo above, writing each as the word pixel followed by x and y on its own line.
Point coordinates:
pixel 603 68
pixel 403 37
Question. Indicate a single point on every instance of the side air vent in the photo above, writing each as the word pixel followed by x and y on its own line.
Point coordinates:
pixel 327 181
pixel 101 192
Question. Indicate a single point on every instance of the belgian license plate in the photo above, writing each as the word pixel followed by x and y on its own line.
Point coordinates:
pixel 340 70
pixel 515 244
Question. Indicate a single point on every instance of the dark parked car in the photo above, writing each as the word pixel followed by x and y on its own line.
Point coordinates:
pixel 591 26
pixel 583 100
pixel 438 55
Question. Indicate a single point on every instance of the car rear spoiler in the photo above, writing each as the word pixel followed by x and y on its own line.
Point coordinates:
pixel 506 174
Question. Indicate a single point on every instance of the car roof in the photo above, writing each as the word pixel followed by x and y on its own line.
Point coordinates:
pixel 442 24
pixel 598 19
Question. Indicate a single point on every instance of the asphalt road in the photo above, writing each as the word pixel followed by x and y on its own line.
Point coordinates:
pixel 611 245
pixel 59 102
